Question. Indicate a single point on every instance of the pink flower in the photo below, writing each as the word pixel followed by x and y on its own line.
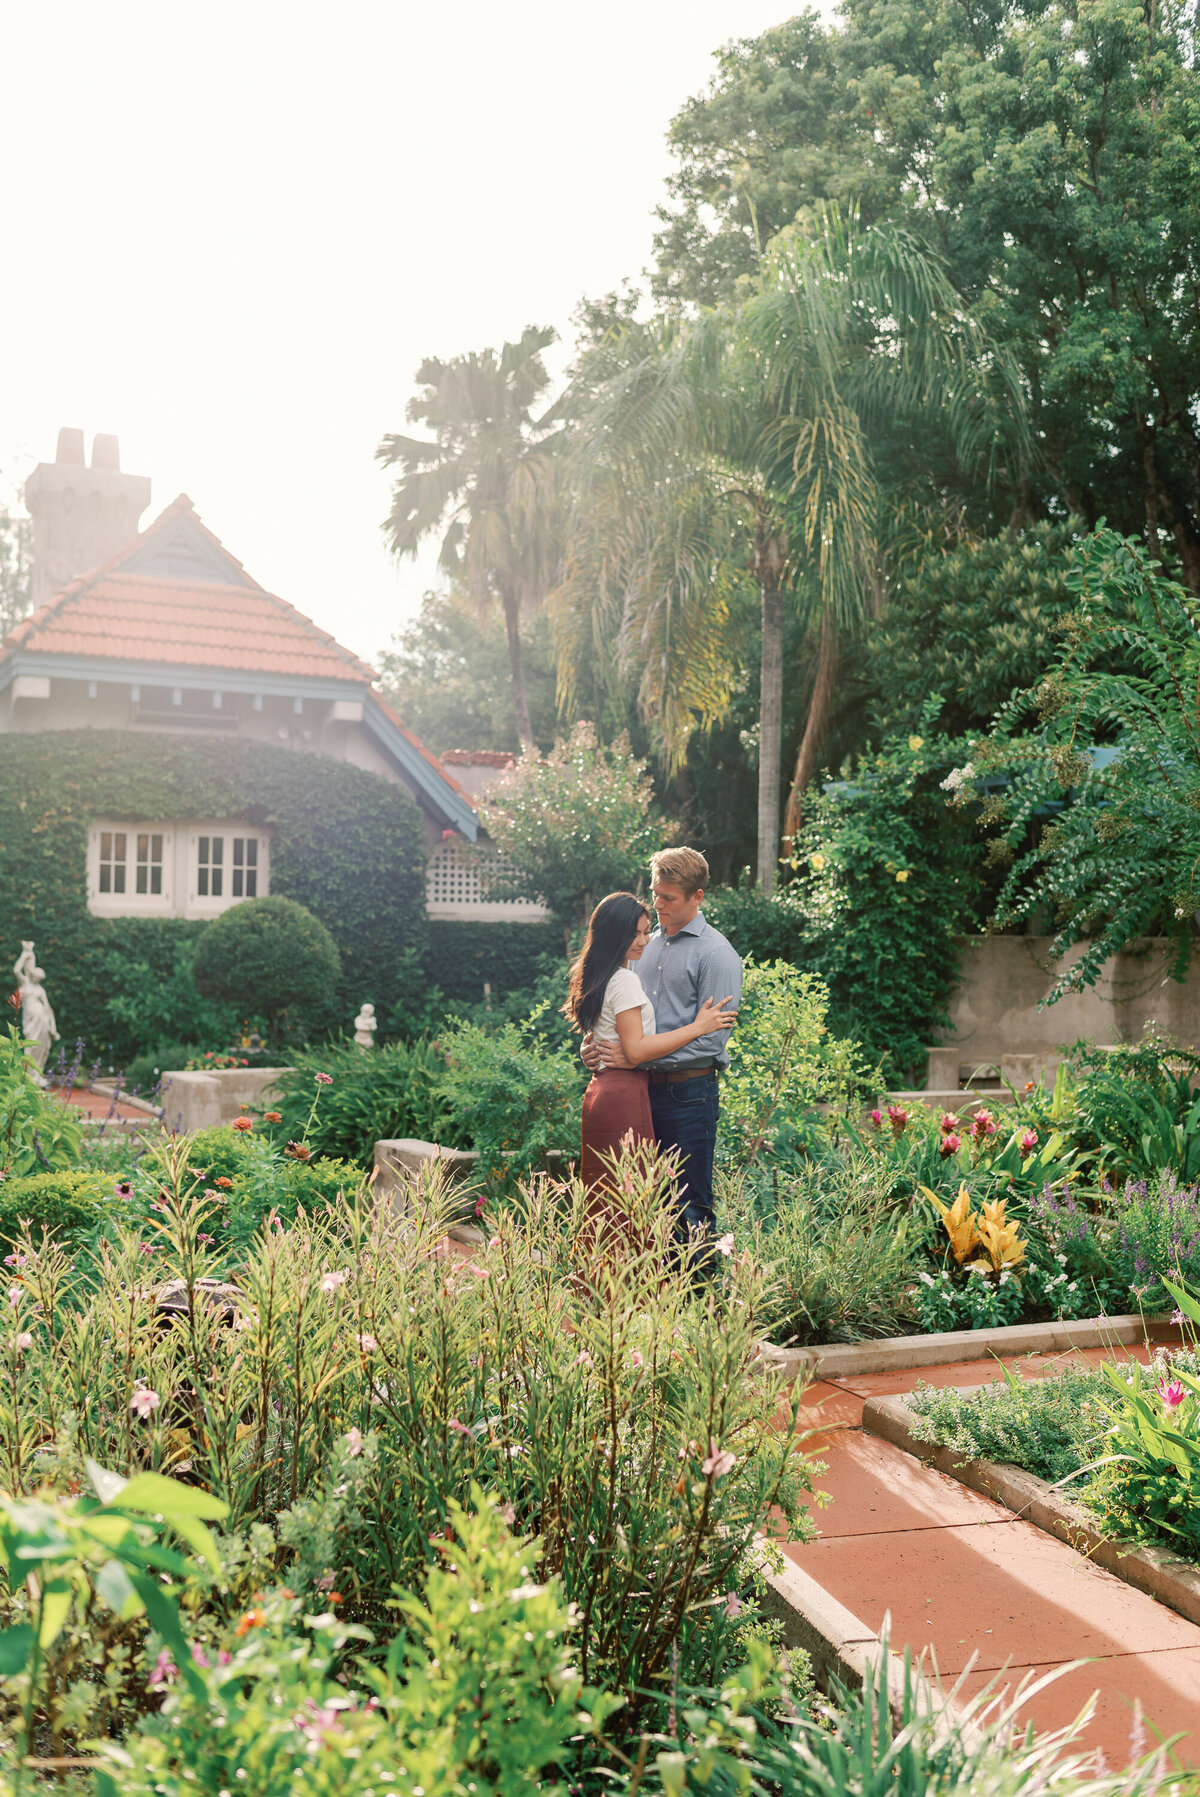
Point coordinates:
pixel 1029 1141
pixel 14 1295
pixel 898 1118
pixel 1172 1395
pixel 165 1671
pixel 22 1341
pixel 636 1359
pixel 719 1461
pixel 323 1079
pixel 949 1123
pixel 354 1443
pixel 583 1358
pixel 331 1282
pixel 146 1247
pixel 507 1514
pixel 982 1124
pixel 123 1189
pixel 199 1655
pixel 493 1241
pixel 724 1244
pixel 480 1202
pixel 949 1144
pixel 14 1260
pixel 876 1119
pixel 144 1402
pixel 367 1343
pixel 1177 1317
pixel 459 1428
pixel 224 1657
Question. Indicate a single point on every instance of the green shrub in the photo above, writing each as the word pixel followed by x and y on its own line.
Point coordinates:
pixel 377 1095
pixel 508 957
pixel 153 1000
pixel 65 1205
pixel 513 1095
pixel 269 955
pixel 36 1130
pixel 843 1262
pixel 345 843
pixel 783 1063
pixel 1050 1426
pixel 263 1179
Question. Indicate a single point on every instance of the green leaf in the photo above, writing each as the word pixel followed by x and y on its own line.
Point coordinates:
pixel 115 1588
pixel 16 1644
pixel 56 1607
pixel 153 1495
pixel 107 1486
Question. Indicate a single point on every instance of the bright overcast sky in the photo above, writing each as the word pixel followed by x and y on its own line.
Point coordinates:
pixel 234 230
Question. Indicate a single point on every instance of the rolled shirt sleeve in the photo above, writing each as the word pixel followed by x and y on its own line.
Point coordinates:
pixel 679 973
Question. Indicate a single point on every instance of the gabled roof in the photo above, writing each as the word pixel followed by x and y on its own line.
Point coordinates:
pixel 176 596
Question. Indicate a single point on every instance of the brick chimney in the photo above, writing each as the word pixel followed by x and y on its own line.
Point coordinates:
pixel 81 516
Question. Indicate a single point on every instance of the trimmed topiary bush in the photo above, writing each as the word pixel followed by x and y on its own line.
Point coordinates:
pixel 269 955
pixel 66 1205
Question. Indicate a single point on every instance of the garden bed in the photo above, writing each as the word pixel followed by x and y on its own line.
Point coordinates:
pixel 902 1353
pixel 1158 1572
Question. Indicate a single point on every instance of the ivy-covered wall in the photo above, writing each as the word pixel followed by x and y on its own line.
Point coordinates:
pixel 461 956
pixel 344 842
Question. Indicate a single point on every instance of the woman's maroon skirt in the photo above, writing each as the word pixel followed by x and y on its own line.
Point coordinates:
pixel 616 1102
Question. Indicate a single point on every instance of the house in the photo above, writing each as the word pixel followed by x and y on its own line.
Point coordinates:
pixel 164 631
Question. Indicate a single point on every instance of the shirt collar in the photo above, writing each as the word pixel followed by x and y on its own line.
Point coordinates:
pixel 697 927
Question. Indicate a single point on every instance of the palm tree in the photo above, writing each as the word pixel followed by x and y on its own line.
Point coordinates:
pixel 750 427
pixel 487 477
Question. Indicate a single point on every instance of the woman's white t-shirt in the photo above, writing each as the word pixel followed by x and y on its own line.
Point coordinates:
pixel 624 992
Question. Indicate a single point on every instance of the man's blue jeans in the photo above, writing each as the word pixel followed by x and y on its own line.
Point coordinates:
pixel 685 1118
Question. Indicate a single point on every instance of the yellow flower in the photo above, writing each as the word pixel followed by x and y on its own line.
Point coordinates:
pixel 902 874
pixel 816 862
pixel 915 743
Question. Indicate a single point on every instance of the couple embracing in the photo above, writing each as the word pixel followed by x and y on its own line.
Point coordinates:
pixel 655 1031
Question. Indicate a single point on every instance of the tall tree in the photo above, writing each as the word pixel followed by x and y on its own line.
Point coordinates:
pixel 16 566
pixel 738 447
pixel 487 481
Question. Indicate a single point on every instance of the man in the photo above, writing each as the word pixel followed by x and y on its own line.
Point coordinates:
pixel 685 962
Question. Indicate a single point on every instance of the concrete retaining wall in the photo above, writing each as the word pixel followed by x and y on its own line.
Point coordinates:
pixel 994 1012
pixel 202 1100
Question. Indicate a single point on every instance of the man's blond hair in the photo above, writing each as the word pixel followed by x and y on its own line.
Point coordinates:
pixel 685 868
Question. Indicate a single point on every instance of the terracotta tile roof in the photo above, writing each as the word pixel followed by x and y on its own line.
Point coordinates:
pixel 222 619
pixel 477 758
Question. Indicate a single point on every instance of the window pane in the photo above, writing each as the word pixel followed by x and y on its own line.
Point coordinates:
pixel 216 882
pixel 218 850
pixel 143 848
pixel 252 883
pixel 238 845
pixel 156 848
pixel 141 878
pixel 202 882
pixel 106 845
pixel 119 849
pixel 106 876
pixel 237 882
pixel 119 877
pixel 156 879
pixel 252 851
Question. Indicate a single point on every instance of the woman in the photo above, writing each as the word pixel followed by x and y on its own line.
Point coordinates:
pixel 607 998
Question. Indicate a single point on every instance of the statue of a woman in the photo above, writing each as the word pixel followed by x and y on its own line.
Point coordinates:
pixel 37 1019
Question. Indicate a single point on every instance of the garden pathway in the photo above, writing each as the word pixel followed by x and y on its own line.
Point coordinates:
pixel 101 1104
pixel 962 1577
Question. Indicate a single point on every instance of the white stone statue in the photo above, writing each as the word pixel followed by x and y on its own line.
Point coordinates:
pixel 37 1019
pixel 365 1026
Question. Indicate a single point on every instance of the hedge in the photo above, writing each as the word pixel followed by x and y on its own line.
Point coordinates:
pixel 345 842
pixel 66 1205
pixel 461 956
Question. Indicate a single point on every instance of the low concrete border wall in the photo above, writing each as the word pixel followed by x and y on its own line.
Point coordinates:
pixel 900 1353
pixel 1156 1571
pixel 204 1100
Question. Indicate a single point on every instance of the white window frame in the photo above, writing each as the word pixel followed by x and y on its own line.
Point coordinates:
pixel 198 904
pixel 180 895
pixel 130 903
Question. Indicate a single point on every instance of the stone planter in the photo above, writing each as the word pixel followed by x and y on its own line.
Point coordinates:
pixel 204 1100
pixel 398 1159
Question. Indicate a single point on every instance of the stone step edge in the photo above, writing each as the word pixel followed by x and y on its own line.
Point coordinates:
pixel 901 1353
pixel 1155 1571
pixel 838 1643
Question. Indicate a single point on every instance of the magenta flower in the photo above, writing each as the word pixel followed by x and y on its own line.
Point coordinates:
pixel 982 1124
pixel 480 1203
pixel 1172 1395
pixel 459 1428
pixel 876 1119
pixel 949 1144
pixel 636 1358
pixel 144 1402
pixel 323 1079
pixel 1028 1142
pixel 898 1118
pixel 165 1671
pixel 949 1123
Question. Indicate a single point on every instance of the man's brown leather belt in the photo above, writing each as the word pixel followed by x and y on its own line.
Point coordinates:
pixel 673 1079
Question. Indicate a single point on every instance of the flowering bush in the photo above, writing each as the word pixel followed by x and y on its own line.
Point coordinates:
pixel 357 1376
pixel 1156 1238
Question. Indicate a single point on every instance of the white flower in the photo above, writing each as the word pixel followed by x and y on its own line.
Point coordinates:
pixel 354 1443
pixel 331 1282
pixel 957 776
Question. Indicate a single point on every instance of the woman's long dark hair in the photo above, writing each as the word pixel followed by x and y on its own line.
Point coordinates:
pixel 611 928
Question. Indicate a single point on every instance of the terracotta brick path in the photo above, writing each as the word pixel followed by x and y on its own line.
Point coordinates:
pixel 960 1576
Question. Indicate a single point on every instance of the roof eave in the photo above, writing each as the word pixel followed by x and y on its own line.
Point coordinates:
pixel 442 799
